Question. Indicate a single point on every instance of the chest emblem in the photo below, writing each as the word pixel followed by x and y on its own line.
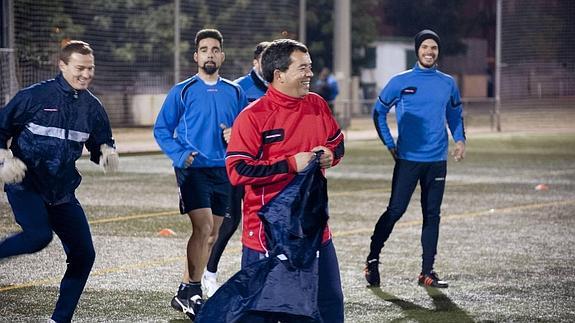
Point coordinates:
pixel 273 135
pixel 409 90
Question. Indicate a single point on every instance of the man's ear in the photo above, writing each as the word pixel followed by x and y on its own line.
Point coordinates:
pixel 223 57
pixel 196 57
pixel 61 65
pixel 278 75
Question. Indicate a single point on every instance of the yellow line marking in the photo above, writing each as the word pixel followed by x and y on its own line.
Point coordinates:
pixel 386 190
pixel 131 217
pixel 464 215
pixel 156 262
pixel 165 213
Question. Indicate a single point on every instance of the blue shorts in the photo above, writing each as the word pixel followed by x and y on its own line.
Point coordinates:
pixel 203 188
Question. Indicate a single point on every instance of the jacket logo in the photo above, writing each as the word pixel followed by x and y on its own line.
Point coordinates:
pixel 273 135
pixel 409 90
pixel 55 109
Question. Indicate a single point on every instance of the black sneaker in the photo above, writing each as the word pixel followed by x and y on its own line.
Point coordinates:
pixel 431 280
pixel 196 303
pixel 180 304
pixel 191 307
pixel 371 273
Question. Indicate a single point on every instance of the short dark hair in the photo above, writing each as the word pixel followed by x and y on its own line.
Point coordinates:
pixel 260 48
pixel 277 56
pixel 74 46
pixel 209 33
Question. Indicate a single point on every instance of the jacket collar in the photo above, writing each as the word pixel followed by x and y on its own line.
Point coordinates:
pixel 65 86
pixel 419 69
pixel 258 81
pixel 281 99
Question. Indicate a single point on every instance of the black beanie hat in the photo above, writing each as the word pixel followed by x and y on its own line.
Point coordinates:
pixel 423 35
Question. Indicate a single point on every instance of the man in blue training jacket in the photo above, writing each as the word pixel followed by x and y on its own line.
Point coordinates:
pixel 425 99
pixel 254 87
pixel 253 83
pixel 193 128
pixel 326 86
pixel 49 124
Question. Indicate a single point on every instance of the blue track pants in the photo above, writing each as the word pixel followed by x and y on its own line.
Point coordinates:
pixel 38 220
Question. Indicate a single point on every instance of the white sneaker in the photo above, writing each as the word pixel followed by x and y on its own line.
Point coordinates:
pixel 210 283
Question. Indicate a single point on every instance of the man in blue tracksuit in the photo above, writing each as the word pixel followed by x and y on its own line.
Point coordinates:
pixel 49 124
pixel 254 87
pixel 425 100
pixel 326 86
pixel 193 128
pixel 253 83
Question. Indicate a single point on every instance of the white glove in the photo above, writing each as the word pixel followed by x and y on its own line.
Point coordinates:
pixel 12 170
pixel 109 160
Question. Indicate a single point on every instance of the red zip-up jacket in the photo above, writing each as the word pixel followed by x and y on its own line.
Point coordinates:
pixel 265 137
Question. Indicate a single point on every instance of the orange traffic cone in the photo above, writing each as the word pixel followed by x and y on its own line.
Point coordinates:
pixel 166 233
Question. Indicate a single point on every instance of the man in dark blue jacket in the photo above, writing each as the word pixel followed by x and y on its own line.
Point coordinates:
pixel 49 124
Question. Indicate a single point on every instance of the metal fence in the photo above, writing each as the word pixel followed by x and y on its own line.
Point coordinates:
pixel 134 43
pixel 134 48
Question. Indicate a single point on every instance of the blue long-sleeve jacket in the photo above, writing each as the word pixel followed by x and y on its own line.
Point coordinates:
pixel 190 119
pixel 253 85
pixel 425 101
pixel 49 123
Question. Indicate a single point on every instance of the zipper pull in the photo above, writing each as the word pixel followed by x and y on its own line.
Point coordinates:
pixel 75 94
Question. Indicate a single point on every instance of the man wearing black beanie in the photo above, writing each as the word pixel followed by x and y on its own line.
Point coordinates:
pixel 423 35
pixel 425 100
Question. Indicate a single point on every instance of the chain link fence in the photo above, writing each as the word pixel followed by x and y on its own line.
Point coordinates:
pixel 134 49
pixel 134 44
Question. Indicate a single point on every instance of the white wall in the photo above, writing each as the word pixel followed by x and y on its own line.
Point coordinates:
pixel 390 60
pixel 145 108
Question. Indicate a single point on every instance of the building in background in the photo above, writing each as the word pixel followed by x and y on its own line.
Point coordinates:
pixel 389 56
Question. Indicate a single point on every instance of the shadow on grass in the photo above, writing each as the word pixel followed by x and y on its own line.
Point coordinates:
pixel 445 310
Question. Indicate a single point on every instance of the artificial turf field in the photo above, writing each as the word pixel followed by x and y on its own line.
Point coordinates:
pixel 507 249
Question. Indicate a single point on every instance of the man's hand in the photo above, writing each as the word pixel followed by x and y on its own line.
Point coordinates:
pixel 302 160
pixel 226 132
pixel 12 169
pixel 325 159
pixel 190 159
pixel 459 152
pixel 109 160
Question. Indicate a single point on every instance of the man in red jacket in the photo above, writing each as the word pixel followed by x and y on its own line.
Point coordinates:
pixel 272 140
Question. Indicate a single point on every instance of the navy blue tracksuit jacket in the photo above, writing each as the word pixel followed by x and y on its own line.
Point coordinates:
pixel 283 286
pixel 50 122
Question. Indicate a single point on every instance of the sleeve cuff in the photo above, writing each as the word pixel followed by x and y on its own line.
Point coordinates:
pixel 292 165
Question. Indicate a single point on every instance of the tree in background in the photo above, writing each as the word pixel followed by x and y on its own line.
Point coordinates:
pixel 134 39
pixel 443 16
pixel 244 24
pixel 39 36
pixel 319 34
